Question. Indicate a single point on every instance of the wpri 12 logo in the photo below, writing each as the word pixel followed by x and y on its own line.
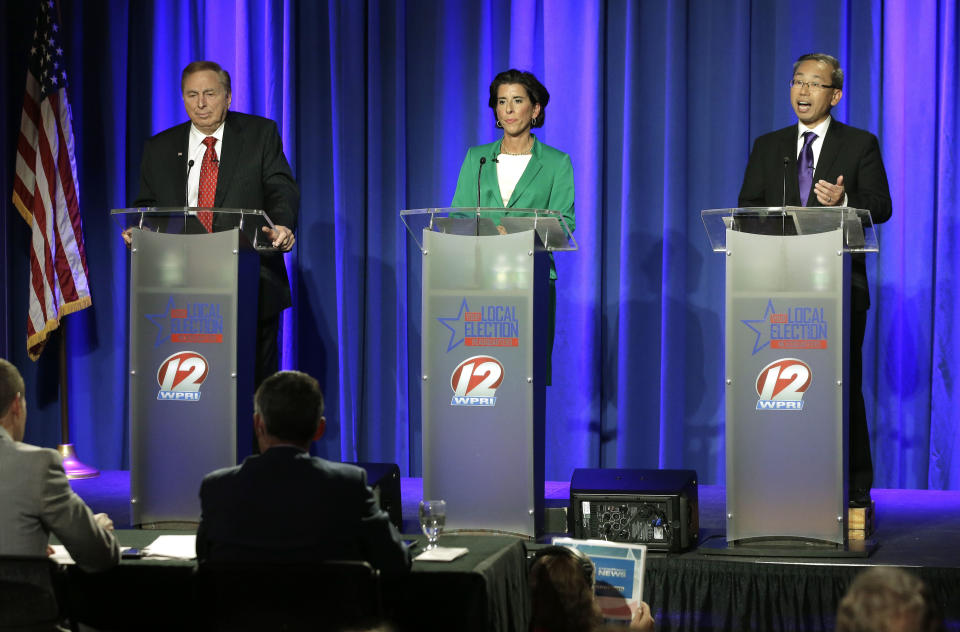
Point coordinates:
pixel 781 385
pixel 475 381
pixel 181 375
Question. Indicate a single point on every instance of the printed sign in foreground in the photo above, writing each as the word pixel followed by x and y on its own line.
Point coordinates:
pixel 619 569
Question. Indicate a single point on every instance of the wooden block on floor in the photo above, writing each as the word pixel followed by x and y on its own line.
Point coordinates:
pixel 860 522
pixel 856 534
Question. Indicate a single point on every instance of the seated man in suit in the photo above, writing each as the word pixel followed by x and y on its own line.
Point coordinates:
pixel 35 497
pixel 285 505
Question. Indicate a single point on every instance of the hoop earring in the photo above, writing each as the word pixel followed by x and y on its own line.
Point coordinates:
pixel 499 124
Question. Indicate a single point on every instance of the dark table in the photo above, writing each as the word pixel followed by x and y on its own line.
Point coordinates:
pixel 486 590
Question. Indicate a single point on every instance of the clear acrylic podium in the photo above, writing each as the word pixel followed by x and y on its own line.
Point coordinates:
pixel 485 275
pixel 786 365
pixel 193 307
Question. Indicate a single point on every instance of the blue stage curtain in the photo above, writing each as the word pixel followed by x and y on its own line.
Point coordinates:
pixel 657 103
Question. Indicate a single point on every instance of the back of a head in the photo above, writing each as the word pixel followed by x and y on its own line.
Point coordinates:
pixel 290 404
pixel 11 383
pixel 887 599
pixel 562 597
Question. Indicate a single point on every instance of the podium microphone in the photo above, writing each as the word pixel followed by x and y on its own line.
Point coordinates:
pixel 483 161
pixel 187 192
pixel 786 161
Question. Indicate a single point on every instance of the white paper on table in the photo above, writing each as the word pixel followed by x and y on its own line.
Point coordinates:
pixel 61 555
pixel 442 554
pixel 178 547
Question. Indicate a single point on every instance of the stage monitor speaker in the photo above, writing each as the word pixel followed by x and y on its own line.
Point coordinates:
pixel 384 478
pixel 653 507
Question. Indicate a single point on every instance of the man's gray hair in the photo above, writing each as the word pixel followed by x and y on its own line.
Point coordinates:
pixel 886 598
pixel 197 66
pixel 836 76
pixel 290 404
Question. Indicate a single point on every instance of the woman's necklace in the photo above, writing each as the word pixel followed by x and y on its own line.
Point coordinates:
pixel 521 153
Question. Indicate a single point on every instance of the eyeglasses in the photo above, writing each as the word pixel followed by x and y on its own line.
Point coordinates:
pixel 794 83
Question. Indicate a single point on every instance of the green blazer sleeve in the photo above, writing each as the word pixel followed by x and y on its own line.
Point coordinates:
pixel 560 194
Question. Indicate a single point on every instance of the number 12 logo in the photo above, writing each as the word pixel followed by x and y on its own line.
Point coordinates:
pixel 181 375
pixel 781 385
pixel 475 381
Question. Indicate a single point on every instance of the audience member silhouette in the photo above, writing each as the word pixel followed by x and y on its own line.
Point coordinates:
pixel 562 594
pixel 888 599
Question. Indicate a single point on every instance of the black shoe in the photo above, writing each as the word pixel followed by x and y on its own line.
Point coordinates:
pixel 859 497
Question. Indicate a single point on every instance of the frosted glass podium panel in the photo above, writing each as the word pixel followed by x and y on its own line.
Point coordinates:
pixel 485 278
pixel 193 306
pixel 786 391
pixel 786 367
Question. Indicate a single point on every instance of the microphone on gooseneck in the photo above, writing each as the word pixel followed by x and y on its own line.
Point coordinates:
pixel 187 198
pixel 483 161
pixel 786 161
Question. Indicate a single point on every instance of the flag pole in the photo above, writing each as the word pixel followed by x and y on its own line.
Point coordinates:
pixel 71 464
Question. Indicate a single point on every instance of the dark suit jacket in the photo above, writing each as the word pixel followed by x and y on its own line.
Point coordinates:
pixel 285 505
pixel 847 151
pixel 254 174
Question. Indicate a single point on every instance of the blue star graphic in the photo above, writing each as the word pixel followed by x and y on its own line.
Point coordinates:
pixel 766 319
pixel 159 320
pixel 453 332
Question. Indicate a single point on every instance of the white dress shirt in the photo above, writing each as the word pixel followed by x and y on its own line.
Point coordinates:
pixel 510 168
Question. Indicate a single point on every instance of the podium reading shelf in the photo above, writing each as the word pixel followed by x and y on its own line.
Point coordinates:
pixel 484 351
pixel 193 310
pixel 786 365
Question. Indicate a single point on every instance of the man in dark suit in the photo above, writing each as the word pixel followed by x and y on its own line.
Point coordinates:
pixel 284 505
pixel 35 497
pixel 225 159
pixel 838 165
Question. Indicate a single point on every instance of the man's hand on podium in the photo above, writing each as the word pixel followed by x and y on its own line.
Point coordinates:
pixel 280 237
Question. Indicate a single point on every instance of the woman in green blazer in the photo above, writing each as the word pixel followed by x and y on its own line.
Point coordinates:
pixel 518 171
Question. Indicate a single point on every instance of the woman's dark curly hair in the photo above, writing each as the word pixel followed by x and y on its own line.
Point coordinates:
pixel 535 90
pixel 561 597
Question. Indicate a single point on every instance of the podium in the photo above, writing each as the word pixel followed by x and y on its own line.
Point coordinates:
pixel 484 352
pixel 786 366
pixel 193 311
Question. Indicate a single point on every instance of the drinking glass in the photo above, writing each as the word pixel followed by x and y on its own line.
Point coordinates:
pixel 433 515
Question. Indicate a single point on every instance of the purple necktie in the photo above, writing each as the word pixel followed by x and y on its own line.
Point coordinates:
pixel 805 167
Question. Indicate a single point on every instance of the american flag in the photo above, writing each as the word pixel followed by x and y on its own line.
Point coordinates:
pixel 45 187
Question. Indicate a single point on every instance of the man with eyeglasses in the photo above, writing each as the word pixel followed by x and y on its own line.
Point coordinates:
pixel 823 162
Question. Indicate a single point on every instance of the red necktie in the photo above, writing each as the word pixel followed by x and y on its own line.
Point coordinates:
pixel 209 169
